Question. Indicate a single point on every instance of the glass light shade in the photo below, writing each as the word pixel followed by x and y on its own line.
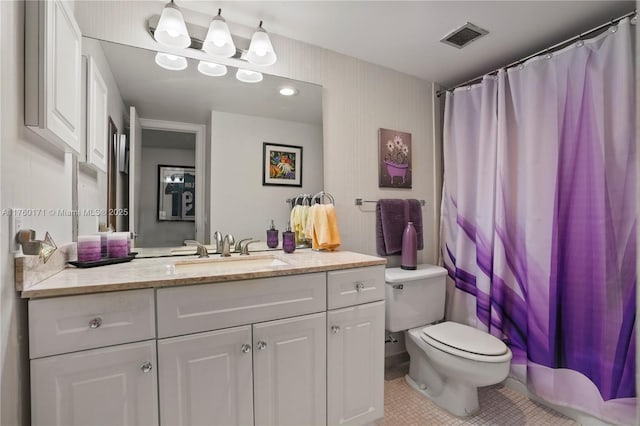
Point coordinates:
pixel 171 30
pixel 171 62
pixel 261 50
pixel 211 69
pixel 247 76
pixel 218 41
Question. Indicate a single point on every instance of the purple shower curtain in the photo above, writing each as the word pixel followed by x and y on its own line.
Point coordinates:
pixel 539 220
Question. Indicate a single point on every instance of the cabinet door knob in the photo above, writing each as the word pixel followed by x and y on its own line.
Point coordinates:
pixel 335 329
pixel 359 286
pixel 245 348
pixel 262 345
pixel 146 367
pixel 95 323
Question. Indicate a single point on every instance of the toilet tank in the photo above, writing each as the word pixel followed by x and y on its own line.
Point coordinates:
pixel 414 298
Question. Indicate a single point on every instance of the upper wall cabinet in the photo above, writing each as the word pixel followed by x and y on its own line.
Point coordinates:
pixel 53 73
pixel 97 117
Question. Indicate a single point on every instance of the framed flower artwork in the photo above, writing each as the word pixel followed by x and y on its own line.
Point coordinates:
pixel 394 159
pixel 281 164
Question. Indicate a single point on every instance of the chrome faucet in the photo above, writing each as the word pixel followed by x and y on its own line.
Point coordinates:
pixel 244 248
pixel 201 250
pixel 227 243
pixel 240 243
pixel 217 239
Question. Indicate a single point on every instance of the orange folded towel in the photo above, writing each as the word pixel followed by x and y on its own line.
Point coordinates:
pixel 325 234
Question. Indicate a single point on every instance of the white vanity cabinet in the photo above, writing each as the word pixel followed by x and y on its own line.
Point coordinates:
pixel 267 351
pixel 53 73
pixel 206 378
pixel 289 367
pixel 269 361
pixel 93 359
pixel 225 376
pixel 355 354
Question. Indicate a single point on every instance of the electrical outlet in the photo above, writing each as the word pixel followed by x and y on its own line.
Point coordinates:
pixel 17 223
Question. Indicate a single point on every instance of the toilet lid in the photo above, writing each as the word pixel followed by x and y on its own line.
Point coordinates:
pixel 465 338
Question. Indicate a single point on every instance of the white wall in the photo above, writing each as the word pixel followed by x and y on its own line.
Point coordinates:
pixel 236 172
pixel 154 233
pixel 32 176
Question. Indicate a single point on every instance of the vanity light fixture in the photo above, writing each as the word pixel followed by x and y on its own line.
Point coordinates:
pixel 247 76
pixel 211 69
pixel 218 40
pixel 288 91
pixel 171 30
pixel 261 50
pixel 171 62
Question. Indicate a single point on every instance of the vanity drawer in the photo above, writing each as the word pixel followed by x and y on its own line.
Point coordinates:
pixel 67 324
pixel 192 309
pixel 349 287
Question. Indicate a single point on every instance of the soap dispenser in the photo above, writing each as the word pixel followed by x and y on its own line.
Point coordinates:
pixel 272 236
pixel 288 240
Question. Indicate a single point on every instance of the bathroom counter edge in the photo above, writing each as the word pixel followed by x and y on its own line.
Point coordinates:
pixel 161 272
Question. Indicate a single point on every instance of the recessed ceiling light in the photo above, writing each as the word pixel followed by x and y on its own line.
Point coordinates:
pixel 248 76
pixel 211 69
pixel 288 91
pixel 171 62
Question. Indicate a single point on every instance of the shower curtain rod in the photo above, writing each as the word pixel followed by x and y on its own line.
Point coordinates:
pixel 540 52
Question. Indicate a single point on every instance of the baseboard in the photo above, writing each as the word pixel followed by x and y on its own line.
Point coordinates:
pixel 396 359
pixel 578 416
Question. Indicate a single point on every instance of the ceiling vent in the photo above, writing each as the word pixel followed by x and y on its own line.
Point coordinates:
pixel 463 35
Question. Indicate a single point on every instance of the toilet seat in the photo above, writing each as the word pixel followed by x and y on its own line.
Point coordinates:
pixel 465 342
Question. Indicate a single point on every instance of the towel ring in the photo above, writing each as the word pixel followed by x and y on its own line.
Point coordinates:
pixel 323 194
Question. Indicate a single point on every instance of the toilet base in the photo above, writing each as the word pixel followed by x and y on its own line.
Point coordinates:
pixel 458 399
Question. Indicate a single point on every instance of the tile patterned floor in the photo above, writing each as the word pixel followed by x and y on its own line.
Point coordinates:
pixel 499 405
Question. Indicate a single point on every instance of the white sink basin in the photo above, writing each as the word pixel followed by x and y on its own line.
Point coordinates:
pixel 235 263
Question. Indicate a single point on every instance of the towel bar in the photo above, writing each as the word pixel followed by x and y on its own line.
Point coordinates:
pixel 360 201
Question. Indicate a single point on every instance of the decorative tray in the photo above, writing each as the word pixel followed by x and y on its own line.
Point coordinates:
pixel 104 261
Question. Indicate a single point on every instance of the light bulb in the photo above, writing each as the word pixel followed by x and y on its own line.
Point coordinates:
pixel 171 30
pixel 261 50
pixel 171 62
pixel 218 40
pixel 211 69
pixel 247 76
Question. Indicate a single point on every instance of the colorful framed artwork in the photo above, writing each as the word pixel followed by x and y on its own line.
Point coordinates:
pixel 176 193
pixel 281 164
pixel 394 159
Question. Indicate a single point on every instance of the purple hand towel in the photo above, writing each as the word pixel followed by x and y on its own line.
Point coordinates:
pixel 390 223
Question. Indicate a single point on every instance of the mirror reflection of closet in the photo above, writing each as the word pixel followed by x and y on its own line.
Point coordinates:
pixel 216 125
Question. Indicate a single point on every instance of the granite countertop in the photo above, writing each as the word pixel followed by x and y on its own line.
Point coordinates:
pixel 186 270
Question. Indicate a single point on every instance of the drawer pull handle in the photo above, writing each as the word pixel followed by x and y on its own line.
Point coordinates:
pixel 146 367
pixel 95 323
pixel 398 286
pixel 359 286
pixel 335 329
pixel 262 345
pixel 245 348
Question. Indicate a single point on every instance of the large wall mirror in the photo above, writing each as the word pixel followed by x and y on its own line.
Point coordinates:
pixel 213 129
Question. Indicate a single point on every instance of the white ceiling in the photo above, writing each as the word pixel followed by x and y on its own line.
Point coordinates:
pixel 404 35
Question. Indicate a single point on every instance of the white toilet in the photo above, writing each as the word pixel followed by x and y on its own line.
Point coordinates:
pixel 449 361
